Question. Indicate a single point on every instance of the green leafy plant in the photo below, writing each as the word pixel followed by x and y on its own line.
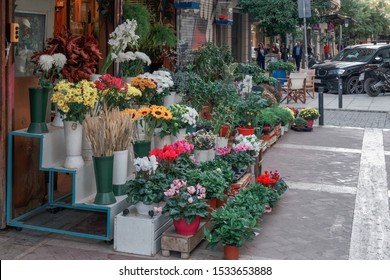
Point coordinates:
pixel 262 78
pixel 268 117
pixel 142 15
pixel 212 180
pixel 300 122
pixel 225 114
pixel 284 114
pixel 309 113
pixel 281 65
pixel 219 164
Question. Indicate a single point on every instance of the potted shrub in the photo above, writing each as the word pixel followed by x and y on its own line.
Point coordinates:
pixel 185 204
pixel 309 114
pixel 204 143
pixel 280 69
pixel 232 226
pixel 268 119
pixel 300 124
pixel 224 120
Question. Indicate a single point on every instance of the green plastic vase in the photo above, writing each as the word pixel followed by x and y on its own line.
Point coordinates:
pixel 142 148
pixel 38 104
pixel 103 175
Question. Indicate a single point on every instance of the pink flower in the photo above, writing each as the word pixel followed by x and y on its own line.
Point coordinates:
pixel 202 196
pixel 191 189
pixel 187 147
pixel 169 193
pixel 242 148
pixel 223 151
pixel 157 210
pixel 190 200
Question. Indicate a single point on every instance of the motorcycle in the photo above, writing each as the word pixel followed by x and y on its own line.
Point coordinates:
pixel 376 78
pixel 312 60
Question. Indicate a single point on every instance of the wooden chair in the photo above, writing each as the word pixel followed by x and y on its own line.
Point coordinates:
pixel 310 76
pixel 296 88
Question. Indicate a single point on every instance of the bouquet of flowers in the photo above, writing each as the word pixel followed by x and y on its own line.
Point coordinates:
pixel 50 67
pixel 182 117
pixel 147 87
pixel 74 100
pixel 251 141
pixel 121 38
pixel 184 201
pixel 202 140
pixel 113 92
pixel 163 80
pixel 132 62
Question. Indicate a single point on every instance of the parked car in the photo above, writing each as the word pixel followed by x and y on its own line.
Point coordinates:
pixel 347 65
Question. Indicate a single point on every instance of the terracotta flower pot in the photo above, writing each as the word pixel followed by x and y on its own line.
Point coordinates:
pixel 212 203
pixel 181 226
pixel 231 252
pixel 246 131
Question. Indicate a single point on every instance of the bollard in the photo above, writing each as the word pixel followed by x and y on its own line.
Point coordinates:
pixel 321 105
pixel 340 92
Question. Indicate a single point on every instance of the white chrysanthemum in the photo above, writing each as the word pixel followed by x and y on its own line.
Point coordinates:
pixel 143 57
pixel 46 62
pixel 124 57
pixel 190 117
pixel 59 60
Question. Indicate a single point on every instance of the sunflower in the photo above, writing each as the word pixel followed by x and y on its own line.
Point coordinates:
pixel 143 112
pixel 157 112
pixel 132 113
pixel 167 115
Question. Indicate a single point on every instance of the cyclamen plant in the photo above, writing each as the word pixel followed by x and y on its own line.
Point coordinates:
pixel 187 147
pixel 184 201
pixel 269 179
pixel 146 165
pixel 251 140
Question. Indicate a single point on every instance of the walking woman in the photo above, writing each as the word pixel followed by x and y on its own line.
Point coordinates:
pixel 261 52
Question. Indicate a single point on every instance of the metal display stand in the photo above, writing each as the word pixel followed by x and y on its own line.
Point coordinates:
pixel 81 197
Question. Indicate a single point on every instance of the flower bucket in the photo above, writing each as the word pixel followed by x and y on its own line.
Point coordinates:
pixel 57 121
pixel 170 99
pixel 246 131
pixel 310 123
pixel 142 148
pixel 119 176
pixel 180 136
pixel 86 148
pixel 221 142
pixel 203 155
pixel 144 209
pixel 231 252
pixel 182 228
pixel 103 167
pixel 73 144
pixel 159 142
pixel 38 104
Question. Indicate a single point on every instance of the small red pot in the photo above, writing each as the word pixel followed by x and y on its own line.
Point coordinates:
pixel 231 252
pixel 246 131
pixel 309 123
pixel 223 131
pixel 182 228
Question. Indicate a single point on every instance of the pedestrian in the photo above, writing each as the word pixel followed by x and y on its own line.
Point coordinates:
pixel 327 51
pixel 297 54
pixel 261 53
pixel 275 49
pixel 284 51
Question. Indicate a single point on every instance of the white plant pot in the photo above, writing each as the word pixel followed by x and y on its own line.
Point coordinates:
pixel 211 154
pixel 180 136
pixel 221 142
pixel 170 99
pixel 178 98
pixel 159 142
pixel 203 155
pixel 86 148
pixel 144 209
pixel 119 176
pixel 94 77
pixel 282 130
pixel 73 142
pixel 286 128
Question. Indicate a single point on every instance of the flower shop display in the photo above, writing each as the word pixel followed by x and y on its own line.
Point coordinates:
pixel 113 92
pixel 81 51
pixel 146 191
pixel 309 114
pixel 185 204
pixel 49 67
pixel 101 132
pixel 74 101
pixel 204 143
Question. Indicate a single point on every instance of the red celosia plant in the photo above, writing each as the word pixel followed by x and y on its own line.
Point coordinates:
pixel 81 51
pixel 269 179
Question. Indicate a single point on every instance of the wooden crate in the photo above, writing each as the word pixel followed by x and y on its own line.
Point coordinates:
pixel 237 186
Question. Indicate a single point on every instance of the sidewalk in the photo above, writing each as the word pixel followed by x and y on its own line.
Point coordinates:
pixel 335 207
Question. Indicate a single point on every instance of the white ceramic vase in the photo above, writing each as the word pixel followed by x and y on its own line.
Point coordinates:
pixel 282 130
pixel 159 142
pixel 73 142
pixel 170 99
pixel 178 98
pixel 221 142
pixel 57 121
pixel 119 176
pixel 180 136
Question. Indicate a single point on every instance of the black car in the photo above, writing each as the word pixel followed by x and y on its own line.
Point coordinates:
pixel 347 65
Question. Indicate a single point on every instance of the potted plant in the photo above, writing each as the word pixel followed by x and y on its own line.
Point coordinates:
pixel 146 190
pixel 232 226
pixel 238 158
pixel 285 115
pixel 185 204
pixel 309 114
pixel 279 69
pixel 224 120
pixel 248 113
pixel 74 101
pixel 204 143
pixel 268 119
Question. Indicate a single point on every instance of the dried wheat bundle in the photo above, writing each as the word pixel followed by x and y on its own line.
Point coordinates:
pixel 124 131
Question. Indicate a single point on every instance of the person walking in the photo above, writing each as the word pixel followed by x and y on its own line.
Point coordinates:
pixel 327 51
pixel 261 53
pixel 284 51
pixel 297 54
